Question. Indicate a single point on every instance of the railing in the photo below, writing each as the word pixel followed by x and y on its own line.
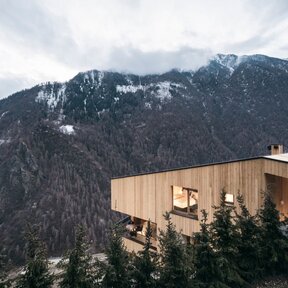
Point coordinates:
pixel 140 239
pixel 133 232
pixel 125 220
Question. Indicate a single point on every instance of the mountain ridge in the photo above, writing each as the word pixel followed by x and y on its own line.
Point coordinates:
pixel 217 57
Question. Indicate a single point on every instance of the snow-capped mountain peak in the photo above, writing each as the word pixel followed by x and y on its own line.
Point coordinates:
pixel 229 61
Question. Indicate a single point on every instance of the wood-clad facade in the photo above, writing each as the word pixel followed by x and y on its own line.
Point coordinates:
pixel 149 196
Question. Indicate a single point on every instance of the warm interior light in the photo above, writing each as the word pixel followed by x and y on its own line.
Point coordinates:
pixel 185 200
pixel 180 197
pixel 229 198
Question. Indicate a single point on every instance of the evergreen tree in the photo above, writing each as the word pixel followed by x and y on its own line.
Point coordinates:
pixel 208 264
pixel 224 235
pixel 177 269
pixel 116 272
pixel 4 283
pixel 36 273
pixel 145 263
pixel 78 272
pixel 274 244
pixel 249 256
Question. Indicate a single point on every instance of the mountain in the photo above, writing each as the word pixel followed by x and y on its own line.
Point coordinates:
pixel 60 143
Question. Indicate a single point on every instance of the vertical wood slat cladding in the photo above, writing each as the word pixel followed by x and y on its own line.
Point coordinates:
pixel 144 191
pixel 149 196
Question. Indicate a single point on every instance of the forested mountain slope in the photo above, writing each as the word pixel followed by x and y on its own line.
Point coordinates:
pixel 60 143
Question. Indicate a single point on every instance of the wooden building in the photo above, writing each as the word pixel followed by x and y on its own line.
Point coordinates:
pixel 185 191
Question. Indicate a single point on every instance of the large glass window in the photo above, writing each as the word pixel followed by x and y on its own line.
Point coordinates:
pixel 180 199
pixel 185 200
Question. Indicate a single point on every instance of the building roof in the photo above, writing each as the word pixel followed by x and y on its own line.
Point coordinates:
pixel 278 157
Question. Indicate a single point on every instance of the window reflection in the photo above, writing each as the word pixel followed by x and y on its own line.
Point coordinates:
pixel 185 200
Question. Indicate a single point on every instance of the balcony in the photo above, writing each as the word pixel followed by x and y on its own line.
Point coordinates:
pixel 135 230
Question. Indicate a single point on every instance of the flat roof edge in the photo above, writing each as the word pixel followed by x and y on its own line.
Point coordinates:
pixel 267 157
pixel 194 166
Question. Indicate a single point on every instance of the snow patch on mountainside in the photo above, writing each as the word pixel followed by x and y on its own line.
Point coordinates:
pixel 128 79
pixel 229 61
pixel 4 141
pixel 100 78
pixel 89 76
pixel 163 89
pixel 67 129
pixel 85 105
pixel 128 88
pixel 51 97
pixel 3 114
pixel 95 77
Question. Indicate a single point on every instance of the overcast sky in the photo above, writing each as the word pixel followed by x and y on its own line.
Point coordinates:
pixel 52 40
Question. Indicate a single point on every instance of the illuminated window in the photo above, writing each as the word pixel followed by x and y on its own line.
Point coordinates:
pixel 229 198
pixel 180 200
pixel 185 200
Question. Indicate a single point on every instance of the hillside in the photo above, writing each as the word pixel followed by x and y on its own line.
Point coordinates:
pixel 60 143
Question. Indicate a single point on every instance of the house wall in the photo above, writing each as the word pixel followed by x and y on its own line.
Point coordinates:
pixel 276 174
pixel 276 168
pixel 149 196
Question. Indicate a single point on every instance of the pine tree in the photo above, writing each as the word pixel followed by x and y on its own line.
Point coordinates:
pixel 249 258
pixel 274 245
pixel 209 268
pixel 145 263
pixel 4 283
pixel 78 272
pixel 177 268
pixel 116 272
pixel 36 273
pixel 225 237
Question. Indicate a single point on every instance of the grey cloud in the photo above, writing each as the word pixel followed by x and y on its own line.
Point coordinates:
pixel 268 15
pixel 28 24
pixel 26 19
pixel 284 48
pixel 274 11
pixel 11 84
pixel 250 44
pixel 136 61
